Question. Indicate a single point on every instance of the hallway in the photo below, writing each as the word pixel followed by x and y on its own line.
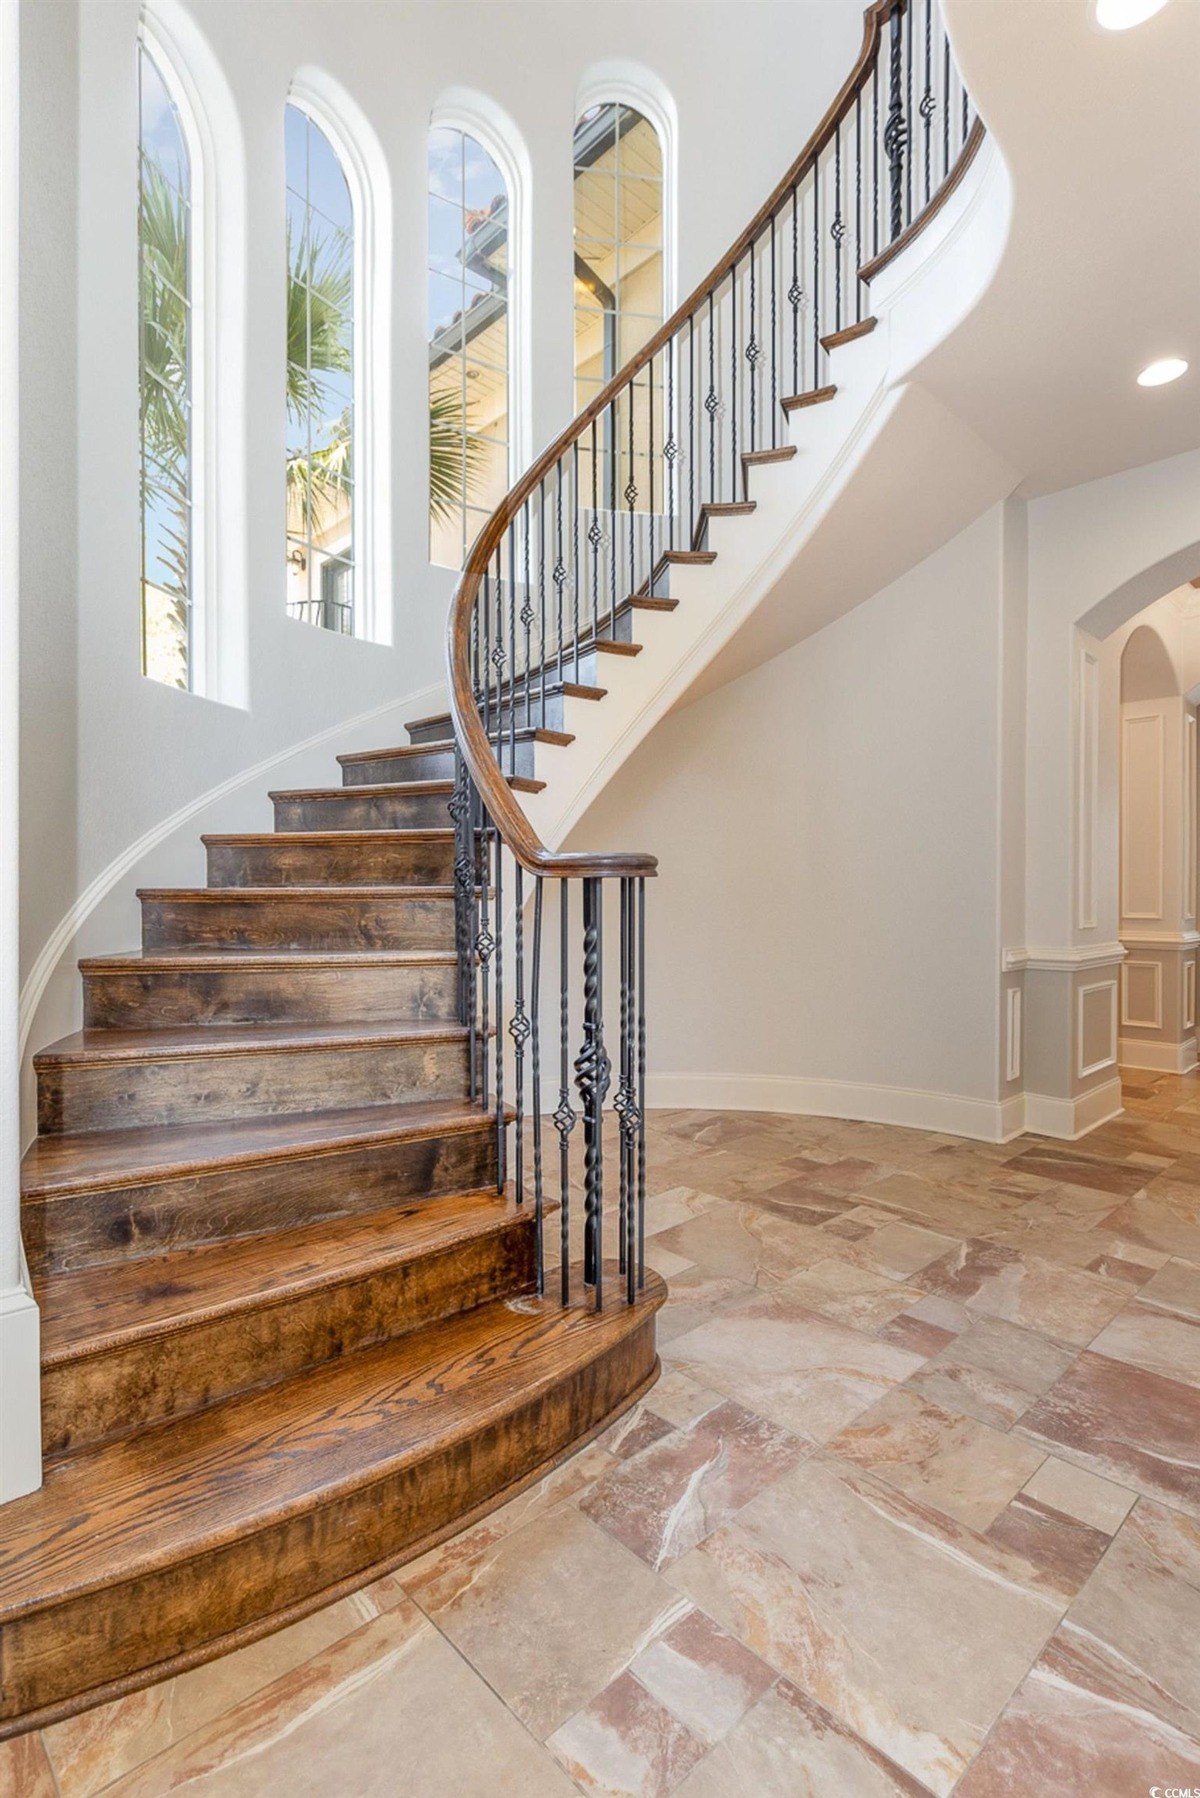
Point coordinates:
pixel 915 1507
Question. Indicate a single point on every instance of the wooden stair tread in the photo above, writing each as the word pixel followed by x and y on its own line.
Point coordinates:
pixel 187 1041
pixel 335 838
pixel 399 789
pixel 849 333
pixel 94 1159
pixel 183 1489
pixel 92 1308
pixel 784 453
pixel 816 396
pixel 207 959
pixel 532 734
pixel 289 895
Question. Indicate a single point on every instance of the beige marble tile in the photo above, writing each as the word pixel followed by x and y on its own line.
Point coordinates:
pixel 1141 1607
pixel 676 1205
pixel 679 1399
pixel 1079 1725
pixel 24 1769
pixel 703 1675
pixel 1056 1301
pixel 665 1261
pixel 389 1708
pixel 1125 1424
pixel 444 1568
pixel 992 1371
pixel 625 1744
pixel 670 1496
pixel 695 1297
pixel 1078 1493
pixel 91 1750
pixel 791 1747
pixel 852 1294
pixel 550 1615
pixel 1146 1335
pixel 1061 1548
pixel 803 1371
pixel 639 1427
pixel 743 1242
pixel 941 1458
pixel 912 1631
pixel 1176 1286
pixel 1171 1225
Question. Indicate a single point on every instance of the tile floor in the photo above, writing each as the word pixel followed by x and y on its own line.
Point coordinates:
pixel 914 1509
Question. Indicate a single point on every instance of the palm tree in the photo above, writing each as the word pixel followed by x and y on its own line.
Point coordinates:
pixel 319 292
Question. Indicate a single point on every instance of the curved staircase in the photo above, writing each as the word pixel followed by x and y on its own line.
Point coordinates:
pixel 290 1324
pixel 301 1213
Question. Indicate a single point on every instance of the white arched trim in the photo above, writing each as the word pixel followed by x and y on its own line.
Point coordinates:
pixel 463 109
pixel 365 167
pixel 213 133
pixel 616 82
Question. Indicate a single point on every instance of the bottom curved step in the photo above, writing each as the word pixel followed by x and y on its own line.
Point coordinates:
pixel 147 1556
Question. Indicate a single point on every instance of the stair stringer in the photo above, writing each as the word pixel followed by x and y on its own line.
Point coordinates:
pixel 883 475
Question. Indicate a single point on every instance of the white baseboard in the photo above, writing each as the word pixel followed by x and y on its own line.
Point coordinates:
pixel 1072 1118
pixel 948 1113
pixel 20 1392
pixel 1160 1058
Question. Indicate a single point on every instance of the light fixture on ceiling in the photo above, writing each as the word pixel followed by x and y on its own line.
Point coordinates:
pixel 1119 15
pixel 1167 368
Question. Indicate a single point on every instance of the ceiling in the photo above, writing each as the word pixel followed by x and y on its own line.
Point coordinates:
pixel 1101 274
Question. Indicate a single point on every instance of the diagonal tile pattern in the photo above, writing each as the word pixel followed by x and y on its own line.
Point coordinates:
pixel 914 1509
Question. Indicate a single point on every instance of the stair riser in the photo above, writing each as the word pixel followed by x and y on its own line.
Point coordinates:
pixel 284 862
pixel 137 1625
pixel 299 922
pixel 108 1395
pixel 283 996
pixel 213 1088
pixel 348 810
pixel 502 723
pixel 435 764
pixel 384 768
pixel 87 1229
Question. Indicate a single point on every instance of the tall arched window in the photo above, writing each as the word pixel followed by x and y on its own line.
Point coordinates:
pixel 619 285
pixel 166 376
pixel 320 379
pixel 469 318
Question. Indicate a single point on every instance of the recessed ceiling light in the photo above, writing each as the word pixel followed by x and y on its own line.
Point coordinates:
pixel 1119 15
pixel 1157 374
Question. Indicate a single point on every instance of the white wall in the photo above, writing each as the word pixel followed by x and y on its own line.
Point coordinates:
pixel 824 930
pixel 110 758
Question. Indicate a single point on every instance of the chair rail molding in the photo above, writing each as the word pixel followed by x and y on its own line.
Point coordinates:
pixel 1065 960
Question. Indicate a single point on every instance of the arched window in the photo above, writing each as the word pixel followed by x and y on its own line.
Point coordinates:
pixel 166 375
pixel 320 379
pixel 619 238
pixel 469 320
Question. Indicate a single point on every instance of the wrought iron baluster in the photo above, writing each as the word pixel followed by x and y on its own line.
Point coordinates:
pixel 774 229
pixel 564 1115
pixel 576 595
pixel 816 285
pixel 498 966
pixel 528 615
pixel 630 496
pixel 592 1074
pixel 733 376
pixel 612 515
pixel 928 104
pixel 535 1046
pixel 837 228
pixel 710 406
pixel 670 454
pixel 907 27
pixel 513 694
pixel 693 443
pixel 752 358
pixel 542 602
pixel 595 538
pixel 641 1080
pixel 519 1028
pixel 795 291
pixel 875 188
pixel 650 469
pixel 858 242
pixel 895 131
pixel 945 104
pixel 485 942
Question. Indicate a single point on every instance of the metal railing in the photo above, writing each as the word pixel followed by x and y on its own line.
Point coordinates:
pixel 584 540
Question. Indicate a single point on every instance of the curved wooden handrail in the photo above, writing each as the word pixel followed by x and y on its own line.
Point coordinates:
pixel 509 819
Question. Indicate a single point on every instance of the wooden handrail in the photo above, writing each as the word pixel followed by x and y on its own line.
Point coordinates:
pixel 507 815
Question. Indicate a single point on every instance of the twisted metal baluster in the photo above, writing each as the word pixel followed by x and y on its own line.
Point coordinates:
pixel 641 1080
pixel 928 104
pixel 630 496
pixel 592 1076
pixel 837 228
pixel 519 1029
pixel 795 291
pixel 501 1129
pixel 527 617
pixel 895 131
pixel 539 1206
pixel 564 1116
